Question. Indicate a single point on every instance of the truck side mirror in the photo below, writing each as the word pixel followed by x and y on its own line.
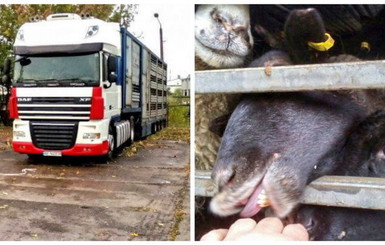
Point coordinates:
pixel 7 66
pixel 111 63
pixel 112 78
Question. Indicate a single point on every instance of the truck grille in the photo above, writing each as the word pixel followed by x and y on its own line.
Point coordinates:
pixel 54 135
pixel 54 108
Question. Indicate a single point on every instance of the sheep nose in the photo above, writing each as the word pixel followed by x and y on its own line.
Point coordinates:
pixel 242 32
pixel 222 176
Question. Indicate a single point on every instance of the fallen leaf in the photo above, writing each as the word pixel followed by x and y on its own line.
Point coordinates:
pixel 134 234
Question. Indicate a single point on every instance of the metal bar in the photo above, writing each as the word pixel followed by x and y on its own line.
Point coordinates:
pixel 350 75
pixel 337 191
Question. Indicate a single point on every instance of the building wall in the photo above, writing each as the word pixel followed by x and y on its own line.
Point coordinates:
pixel 180 83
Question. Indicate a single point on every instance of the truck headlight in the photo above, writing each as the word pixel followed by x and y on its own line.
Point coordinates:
pixel 19 133
pixel 91 136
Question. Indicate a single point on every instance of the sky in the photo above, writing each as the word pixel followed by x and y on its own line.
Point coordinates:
pixel 178 34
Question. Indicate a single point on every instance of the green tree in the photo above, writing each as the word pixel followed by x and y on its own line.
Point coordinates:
pixel 12 16
pixel 177 92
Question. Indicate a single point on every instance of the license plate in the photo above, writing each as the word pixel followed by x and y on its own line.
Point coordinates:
pixel 52 153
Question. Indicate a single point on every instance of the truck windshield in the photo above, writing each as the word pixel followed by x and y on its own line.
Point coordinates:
pixel 74 70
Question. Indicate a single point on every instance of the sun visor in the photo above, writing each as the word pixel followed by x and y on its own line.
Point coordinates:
pixel 58 49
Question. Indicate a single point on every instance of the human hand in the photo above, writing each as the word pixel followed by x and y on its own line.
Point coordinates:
pixel 268 229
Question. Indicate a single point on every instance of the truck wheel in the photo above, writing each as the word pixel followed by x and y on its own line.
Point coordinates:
pixel 132 129
pixel 111 146
pixel 34 158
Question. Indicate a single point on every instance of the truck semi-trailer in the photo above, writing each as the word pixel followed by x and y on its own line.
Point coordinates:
pixel 83 87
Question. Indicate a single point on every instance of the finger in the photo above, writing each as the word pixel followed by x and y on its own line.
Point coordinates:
pixel 240 227
pixel 270 225
pixel 243 225
pixel 215 235
pixel 296 231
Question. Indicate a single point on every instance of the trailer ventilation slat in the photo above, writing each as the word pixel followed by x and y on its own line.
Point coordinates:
pixel 54 135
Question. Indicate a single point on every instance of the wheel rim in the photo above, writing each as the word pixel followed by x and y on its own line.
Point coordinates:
pixel 111 141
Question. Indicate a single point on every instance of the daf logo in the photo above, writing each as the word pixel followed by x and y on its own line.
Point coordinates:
pixel 84 99
pixel 24 99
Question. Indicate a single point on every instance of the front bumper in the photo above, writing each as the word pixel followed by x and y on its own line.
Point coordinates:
pixel 76 150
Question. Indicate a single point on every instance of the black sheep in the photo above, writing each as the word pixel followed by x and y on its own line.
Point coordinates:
pixel 362 156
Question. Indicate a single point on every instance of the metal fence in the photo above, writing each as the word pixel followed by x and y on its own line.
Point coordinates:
pixel 340 191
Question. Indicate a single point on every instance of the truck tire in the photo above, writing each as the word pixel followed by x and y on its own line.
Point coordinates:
pixel 132 130
pixel 34 158
pixel 111 146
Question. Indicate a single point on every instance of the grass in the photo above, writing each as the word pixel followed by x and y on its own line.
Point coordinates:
pixel 178 111
pixel 172 133
pixel 179 116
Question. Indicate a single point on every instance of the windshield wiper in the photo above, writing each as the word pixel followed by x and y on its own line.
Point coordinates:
pixel 77 81
pixel 27 82
pixel 34 82
pixel 47 80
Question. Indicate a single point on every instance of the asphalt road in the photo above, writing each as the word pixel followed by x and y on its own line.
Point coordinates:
pixel 142 197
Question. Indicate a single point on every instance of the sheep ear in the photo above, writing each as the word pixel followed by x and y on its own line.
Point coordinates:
pixel 218 125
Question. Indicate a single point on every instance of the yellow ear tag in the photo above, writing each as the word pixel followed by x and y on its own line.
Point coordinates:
pixel 323 46
pixel 365 45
